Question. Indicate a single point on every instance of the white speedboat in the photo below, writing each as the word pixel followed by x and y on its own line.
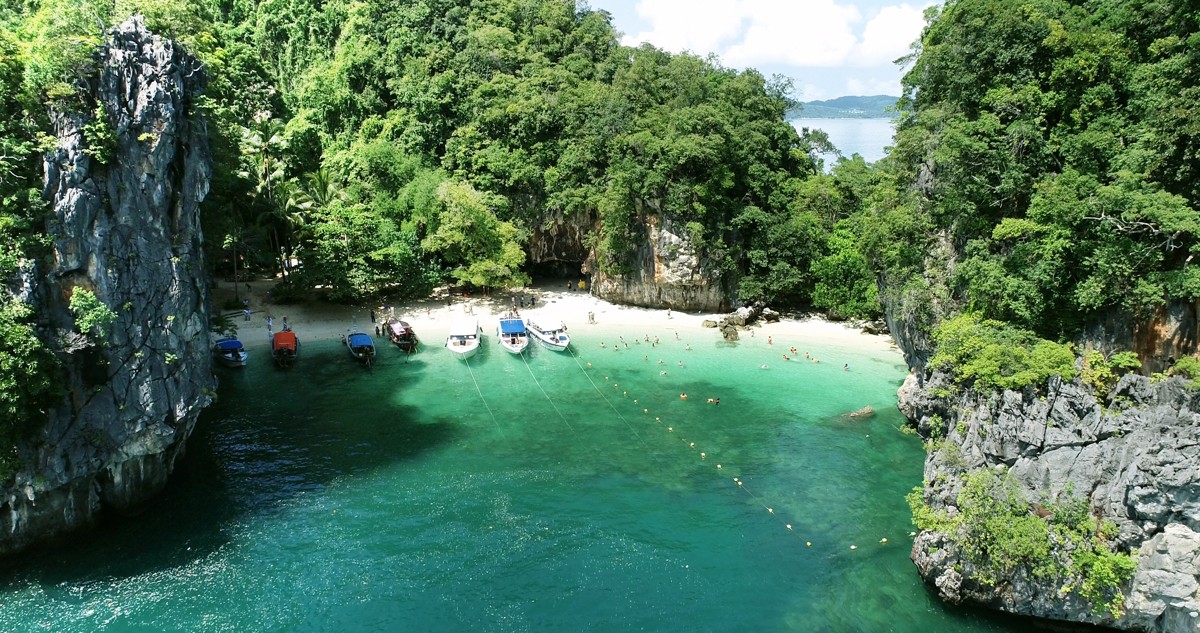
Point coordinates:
pixel 464 337
pixel 512 334
pixel 552 336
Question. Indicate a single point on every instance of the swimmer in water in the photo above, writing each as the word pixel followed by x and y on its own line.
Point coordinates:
pixel 762 366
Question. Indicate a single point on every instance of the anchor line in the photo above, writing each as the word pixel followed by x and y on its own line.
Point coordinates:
pixel 607 401
pixel 481 398
pixel 548 399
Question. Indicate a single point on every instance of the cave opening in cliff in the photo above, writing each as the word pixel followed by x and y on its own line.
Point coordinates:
pixel 554 270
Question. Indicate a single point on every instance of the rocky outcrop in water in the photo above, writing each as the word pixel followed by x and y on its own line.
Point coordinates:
pixel 125 226
pixel 1136 457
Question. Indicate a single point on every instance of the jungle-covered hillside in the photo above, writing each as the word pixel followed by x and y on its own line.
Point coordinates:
pixel 1044 172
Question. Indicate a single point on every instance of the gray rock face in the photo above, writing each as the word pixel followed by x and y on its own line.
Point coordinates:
pixel 669 271
pixel 1137 460
pixel 127 229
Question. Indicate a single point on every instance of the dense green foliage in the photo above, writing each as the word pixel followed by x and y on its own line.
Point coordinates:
pixel 1001 533
pixel 1052 145
pixel 992 354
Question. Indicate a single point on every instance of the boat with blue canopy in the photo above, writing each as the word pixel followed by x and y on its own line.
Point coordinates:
pixel 512 333
pixel 230 352
pixel 361 346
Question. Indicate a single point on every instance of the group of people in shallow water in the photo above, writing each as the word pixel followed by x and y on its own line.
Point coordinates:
pixel 794 352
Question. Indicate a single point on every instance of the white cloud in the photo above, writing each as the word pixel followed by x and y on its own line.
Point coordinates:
pixel 889 34
pixel 816 33
pixel 700 26
pixel 808 34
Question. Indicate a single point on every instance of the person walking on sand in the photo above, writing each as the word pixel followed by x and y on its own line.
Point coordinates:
pixel 668 313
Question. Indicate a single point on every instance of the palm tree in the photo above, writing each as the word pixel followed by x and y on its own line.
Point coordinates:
pixel 263 146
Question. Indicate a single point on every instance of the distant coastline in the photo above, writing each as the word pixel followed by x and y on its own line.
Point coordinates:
pixel 851 107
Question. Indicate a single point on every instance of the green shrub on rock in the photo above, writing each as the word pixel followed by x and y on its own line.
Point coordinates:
pixel 1002 535
pixel 992 354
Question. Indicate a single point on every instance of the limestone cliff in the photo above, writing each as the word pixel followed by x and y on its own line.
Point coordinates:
pixel 669 271
pixel 125 225
pixel 1136 457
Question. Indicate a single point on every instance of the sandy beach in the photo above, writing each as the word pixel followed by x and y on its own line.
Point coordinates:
pixel 431 318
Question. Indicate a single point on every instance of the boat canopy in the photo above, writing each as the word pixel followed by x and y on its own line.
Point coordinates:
pixel 512 326
pixel 358 339
pixel 465 328
pixel 229 344
pixel 398 327
pixel 285 340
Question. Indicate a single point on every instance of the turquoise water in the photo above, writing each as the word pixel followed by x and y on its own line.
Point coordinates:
pixel 434 495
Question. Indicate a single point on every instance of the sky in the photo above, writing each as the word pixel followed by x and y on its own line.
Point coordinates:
pixel 830 48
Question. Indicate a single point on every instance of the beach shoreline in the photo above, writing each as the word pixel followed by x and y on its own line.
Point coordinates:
pixel 430 317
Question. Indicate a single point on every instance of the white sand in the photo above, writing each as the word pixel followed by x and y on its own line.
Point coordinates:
pixel 431 319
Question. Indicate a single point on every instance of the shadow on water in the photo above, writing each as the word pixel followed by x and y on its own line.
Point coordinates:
pixel 310 426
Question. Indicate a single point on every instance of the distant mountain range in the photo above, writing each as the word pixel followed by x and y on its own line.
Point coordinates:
pixel 874 107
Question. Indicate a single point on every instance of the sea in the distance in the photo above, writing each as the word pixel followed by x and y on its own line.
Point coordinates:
pixel 557 493
pixel 868 138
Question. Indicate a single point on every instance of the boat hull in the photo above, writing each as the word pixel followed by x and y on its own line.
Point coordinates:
pixel 233 360
pixel 555 340
pixel 554 345
pixel 230 353
pixel 464 351
pixel 285 347
pixel 465 338
pixel 401 334
pixel 362 348
pixel 517 348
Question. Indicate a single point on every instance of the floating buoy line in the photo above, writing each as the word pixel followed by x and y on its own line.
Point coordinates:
pixel 722 470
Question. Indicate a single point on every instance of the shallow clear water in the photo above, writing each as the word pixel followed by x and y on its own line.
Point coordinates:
pixel 433 495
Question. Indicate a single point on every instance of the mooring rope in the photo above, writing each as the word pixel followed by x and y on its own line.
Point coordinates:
pixel 606 400
pixel 548 399
pixel 480 392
